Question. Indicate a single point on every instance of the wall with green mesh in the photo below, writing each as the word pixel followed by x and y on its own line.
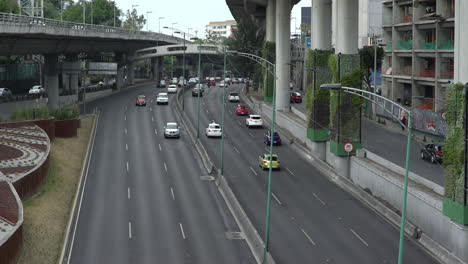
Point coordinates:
pixel 345 108
pixel 16 72
pixel 317 100
pixel 268 53
pixel 455 205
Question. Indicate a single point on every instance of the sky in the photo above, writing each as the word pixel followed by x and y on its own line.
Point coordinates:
pixel 195 14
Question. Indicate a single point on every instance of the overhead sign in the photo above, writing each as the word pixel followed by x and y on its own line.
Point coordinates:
pixel 348 147
pixel 308 42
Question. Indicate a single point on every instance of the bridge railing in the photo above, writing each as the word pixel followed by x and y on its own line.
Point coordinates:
pixel 14 19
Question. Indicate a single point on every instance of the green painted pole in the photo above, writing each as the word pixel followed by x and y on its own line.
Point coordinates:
pixel 199 87
pixel 183 81
pixel 222 117
pixel 405 191
pixel 268 209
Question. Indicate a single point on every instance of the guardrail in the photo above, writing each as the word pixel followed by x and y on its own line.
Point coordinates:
pixel 13 19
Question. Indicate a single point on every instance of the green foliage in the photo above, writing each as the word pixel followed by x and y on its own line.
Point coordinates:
pixel 9 6
pixel 333 65
pixel 268 53
pixel 68 113
pixel 454 152
pixel 103 12
pixel 51 11
pixel 26 113
pixel 134 21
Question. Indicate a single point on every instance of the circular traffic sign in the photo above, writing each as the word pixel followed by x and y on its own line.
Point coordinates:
pixel 348 147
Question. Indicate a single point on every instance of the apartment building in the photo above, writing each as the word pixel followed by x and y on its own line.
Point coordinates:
pixel 419 53
pixel 221 28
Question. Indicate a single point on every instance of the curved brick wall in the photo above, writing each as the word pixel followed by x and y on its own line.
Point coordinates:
pixel 11 214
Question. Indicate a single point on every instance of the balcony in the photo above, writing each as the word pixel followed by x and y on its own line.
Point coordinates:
pixel 446 44
pixel 428 73
pixel 446 74
pixel 389 46
pixel 405 45
pixel 428 45
pixel 403 71
pixel 407 19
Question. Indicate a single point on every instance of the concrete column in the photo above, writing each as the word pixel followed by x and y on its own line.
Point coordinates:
pixel 155 68
pixel 271 21
pixel 119 78
pixel 51 80
pixel 461 38
pixel 321 24
pixel 283 54
pixel 347 27
pixel 65 81
pixel 342 166
pixel 74 84
pixel 130 73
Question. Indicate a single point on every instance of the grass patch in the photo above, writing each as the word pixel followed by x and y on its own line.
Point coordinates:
pixel 46 214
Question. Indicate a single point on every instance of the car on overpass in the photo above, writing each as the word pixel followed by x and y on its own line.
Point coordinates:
pixel 141 100
pixel 264 161
pixel 5 93
pixel 171 130
pixel 192 81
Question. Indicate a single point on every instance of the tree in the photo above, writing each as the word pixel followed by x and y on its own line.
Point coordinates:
pixel 103 12
pixel 133 21
pixel 367 62
pixel 9 6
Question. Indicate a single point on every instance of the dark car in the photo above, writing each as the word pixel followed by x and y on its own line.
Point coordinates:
pixel 276 138
pixel 432 152
pixel 141 100
pixel 296 97
pixel 197 90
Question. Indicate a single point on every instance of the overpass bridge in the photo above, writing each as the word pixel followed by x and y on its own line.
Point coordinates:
pixel 53 38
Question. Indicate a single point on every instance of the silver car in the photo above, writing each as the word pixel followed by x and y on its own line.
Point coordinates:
pixel 171 130
pixel 5 92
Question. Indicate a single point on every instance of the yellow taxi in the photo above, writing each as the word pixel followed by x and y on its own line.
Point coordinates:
pixel 264 161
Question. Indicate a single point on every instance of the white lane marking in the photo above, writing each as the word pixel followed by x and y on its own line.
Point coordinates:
pixel 165 166
pixel 267 150
pixel 152 119
pixel 250 134
pixel 182 230
pixel 125 117
pixel 151 108
pixel 155 132
pixel 125 131
pixel 308 237
pixel 128 169
pixel 125 108
pixel 360 238
pixel 160 148
pixel 128 193
pixel 240 124
pixel 290 172
pixel 126 147
pixel 276 198
pixel 236 150
pixel 173 195
pixel 130 230
pixel 253 171
pixel 318 198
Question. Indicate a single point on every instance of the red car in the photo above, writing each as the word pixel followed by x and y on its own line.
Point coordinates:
pixel 242 110
pixel 296 97
pixel 141 100
pixel 212 83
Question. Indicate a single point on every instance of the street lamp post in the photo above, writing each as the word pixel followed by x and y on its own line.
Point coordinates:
pixel 368 95
pixel 61 10
pixel 183 73
pixel 84 11
pixel 114 13
pixel 199 89
pixel 147 19
pixel 159 26
pixel 222 115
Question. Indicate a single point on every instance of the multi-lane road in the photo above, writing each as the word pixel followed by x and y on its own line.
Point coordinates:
pixel 144 199
pixel 313 220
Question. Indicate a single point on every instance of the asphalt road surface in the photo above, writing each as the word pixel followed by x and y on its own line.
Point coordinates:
pixel 392 146
pixel 144 200
pixel 312 220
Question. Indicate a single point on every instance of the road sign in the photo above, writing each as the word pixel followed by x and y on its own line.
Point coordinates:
pixel 348 147
pixel 308 42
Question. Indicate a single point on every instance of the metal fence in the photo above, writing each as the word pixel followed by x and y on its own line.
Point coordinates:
pixel 13 19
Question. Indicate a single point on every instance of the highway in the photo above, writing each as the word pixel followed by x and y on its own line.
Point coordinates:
pixel 144 200
pixel 312 220
pixel 391 145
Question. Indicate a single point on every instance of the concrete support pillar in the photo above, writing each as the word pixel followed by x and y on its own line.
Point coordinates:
pixel 51 80
pixel 319 149
pixel 347 27
pixel 74 84
pixel 119 79
pixel 65 81
pixel 155 63
pixel 322 24
pixel 283 54
pixel 461 38
pixel 271 21
pixel 130 73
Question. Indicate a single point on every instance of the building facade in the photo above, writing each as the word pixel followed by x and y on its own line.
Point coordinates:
pixel 221 28
pixel 419 53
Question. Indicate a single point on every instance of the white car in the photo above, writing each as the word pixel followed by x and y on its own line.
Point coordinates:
pixel 36 89
pixel 233 97
pixel 172 88
pixel 171 130
pixel 192 80
pixel 221 84
pixel 174 81
pixel 162 98
pixel 5 92
pixel 254 121
pixel 213 130
pixel 162 83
